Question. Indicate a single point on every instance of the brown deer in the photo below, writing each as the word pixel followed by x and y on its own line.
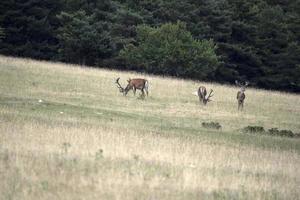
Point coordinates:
pixel 241 94
pixel 202 95
pixel 134 84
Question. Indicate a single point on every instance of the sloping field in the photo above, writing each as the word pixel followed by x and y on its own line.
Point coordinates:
pixel 67 133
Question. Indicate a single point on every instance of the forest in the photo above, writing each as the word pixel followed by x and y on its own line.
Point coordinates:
pixel 210 40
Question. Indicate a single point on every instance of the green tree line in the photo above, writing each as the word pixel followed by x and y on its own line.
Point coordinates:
pixel 216 40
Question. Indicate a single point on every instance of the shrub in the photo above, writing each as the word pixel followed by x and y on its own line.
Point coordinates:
pixel 271 131
pixel 287 133
pixel 211 125
pixel 254 129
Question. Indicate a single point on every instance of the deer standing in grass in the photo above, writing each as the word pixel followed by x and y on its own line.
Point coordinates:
pixel 241 94
pixel 134 84
pixel 202 95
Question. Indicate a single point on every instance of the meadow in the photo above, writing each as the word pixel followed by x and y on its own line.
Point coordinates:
pixel 66 132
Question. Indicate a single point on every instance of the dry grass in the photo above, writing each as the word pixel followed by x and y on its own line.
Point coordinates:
pixel 86 141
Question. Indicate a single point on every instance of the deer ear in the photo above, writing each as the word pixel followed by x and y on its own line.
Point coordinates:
pixel 128 80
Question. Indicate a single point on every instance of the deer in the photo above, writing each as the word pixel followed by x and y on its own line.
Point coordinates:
pixel 241 94
pixel 134 84
pixel 201 93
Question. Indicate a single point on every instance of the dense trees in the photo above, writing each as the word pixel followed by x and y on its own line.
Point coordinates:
pixel 83 39
pixel 171 50
pixel 1 33
pixel 255 40
pixel 29 28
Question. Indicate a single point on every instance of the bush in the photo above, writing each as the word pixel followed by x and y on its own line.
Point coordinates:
pixel 253 129
pixel 171 50
pixel 211 125
pixel 272 131
pixel 287 133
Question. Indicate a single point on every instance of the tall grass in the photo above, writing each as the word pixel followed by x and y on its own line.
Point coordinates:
pixel 67 133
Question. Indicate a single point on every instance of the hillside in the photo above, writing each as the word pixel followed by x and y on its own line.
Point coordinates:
pixel 219 40
pixel 67 133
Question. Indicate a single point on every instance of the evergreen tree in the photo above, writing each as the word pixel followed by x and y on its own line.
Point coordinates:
pixel 83 40
pixel 278 50
pixel 2 34
pixel 30 28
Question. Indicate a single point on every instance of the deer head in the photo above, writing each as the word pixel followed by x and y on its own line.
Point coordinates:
pixel 202 95
pixel 207 99
pixel 242 86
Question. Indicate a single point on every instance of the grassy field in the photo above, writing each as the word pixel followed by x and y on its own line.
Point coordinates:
pixel 67 133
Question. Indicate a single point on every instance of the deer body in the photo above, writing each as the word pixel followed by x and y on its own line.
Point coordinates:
pixel 202 95
pixel 241 94
pixel 240 98
pixel 134 84
pixel 137 83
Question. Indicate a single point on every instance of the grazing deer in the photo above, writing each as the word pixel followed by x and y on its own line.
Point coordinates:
pixel 202 95
pixel 134 84
pixel 241 94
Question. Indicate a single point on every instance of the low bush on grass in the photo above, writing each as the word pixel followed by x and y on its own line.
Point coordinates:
pixel 253 129
pixel 285 133
pixel 272 131
pixel 211 125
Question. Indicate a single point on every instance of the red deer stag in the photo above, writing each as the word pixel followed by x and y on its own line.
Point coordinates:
pixel 202 95
pixel 241 94
pixel 134 84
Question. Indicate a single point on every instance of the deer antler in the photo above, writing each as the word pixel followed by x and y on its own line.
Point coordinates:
pixel 242 85
pixel 238 83
pixel 210 94
pixel 118 85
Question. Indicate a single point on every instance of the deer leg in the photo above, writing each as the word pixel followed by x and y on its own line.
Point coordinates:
pixel 142 96
pixel 146 91
pixel 203 100
pixel 241 106
pixel 146 86
pixel 143 93
pixel 134 90
pixel 200 99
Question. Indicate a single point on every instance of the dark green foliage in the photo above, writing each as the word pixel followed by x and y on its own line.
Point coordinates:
pixel 2 34
pixel 83 39
pixel 211 125
pixel 29 28
pixel 253 129
pixel 277 50
pixel 256 40
pixel 287 133
pixel 171 50
pixel 272 131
